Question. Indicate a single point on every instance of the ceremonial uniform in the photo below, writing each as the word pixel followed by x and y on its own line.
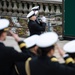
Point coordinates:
pixel 8 55
pixel 50 66
pixel 30 42
pixel 21 65
pixel 36 28
pixel 46 63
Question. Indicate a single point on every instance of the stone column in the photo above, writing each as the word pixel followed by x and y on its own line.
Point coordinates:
pixel 61 9
pixel 52 9
pixel 0 8
pixel 25 10
pixel 46 9
pixel 9 9
pixel 30 6
pixel 57 9
pixel 4 8
pixel 15 9
pixel 41 11
pixel 20 10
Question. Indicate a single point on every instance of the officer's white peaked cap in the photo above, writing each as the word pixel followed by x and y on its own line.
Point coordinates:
pixel 69 47
pixel 35 8
pixel 30 14
pixel 47 39
pixel 31 41
pixel 4 23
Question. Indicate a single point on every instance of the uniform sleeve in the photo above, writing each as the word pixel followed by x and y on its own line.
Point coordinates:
pixel 38 27
pixel 69 61
pixel 43 25
pixel 22 46
pixel 15 56
pixel 64 69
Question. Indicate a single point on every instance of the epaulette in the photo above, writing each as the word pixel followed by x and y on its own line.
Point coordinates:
pixel 21 44
pixel 69 60
pixel 54 59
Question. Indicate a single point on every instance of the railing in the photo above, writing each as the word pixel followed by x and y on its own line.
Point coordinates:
pixel 20 8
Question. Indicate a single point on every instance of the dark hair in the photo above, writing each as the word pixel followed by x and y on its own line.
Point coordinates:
pixel 72 55
pixel 1 31
pixel 32 47
pixel 44 51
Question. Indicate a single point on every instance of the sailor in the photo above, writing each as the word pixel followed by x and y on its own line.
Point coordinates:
pixel 8 55
pixel 46 63
pixel 70 48
pixel 31 51
pixel 33 26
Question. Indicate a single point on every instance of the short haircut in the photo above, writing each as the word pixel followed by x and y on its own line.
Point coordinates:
pixel 72 55
pixel 44 51
pixel 1 31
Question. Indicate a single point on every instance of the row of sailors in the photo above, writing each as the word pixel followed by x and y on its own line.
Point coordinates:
pixel 37 56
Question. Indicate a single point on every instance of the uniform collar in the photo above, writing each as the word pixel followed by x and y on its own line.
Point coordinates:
pixel 32 20
pixel 32 54
pixel 1 43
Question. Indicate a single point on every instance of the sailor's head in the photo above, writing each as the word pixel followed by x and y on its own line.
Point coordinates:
pixel 31 15
pixel 4 23
pixel 35 9
pixel 46 43
pixel 70 48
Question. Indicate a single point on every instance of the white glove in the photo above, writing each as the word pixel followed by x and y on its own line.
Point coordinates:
pixel 43 19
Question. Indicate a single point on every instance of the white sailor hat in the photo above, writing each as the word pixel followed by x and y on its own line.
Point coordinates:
pixel 4 23
pixel 35 8
pixel 31 41
pixel 30 14
pixel 69 47
pixel 47 39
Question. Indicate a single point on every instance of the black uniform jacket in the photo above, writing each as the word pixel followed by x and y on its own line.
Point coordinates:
pixel 49 66
pixel 8 56
pixel 21 65
pixel 36 28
